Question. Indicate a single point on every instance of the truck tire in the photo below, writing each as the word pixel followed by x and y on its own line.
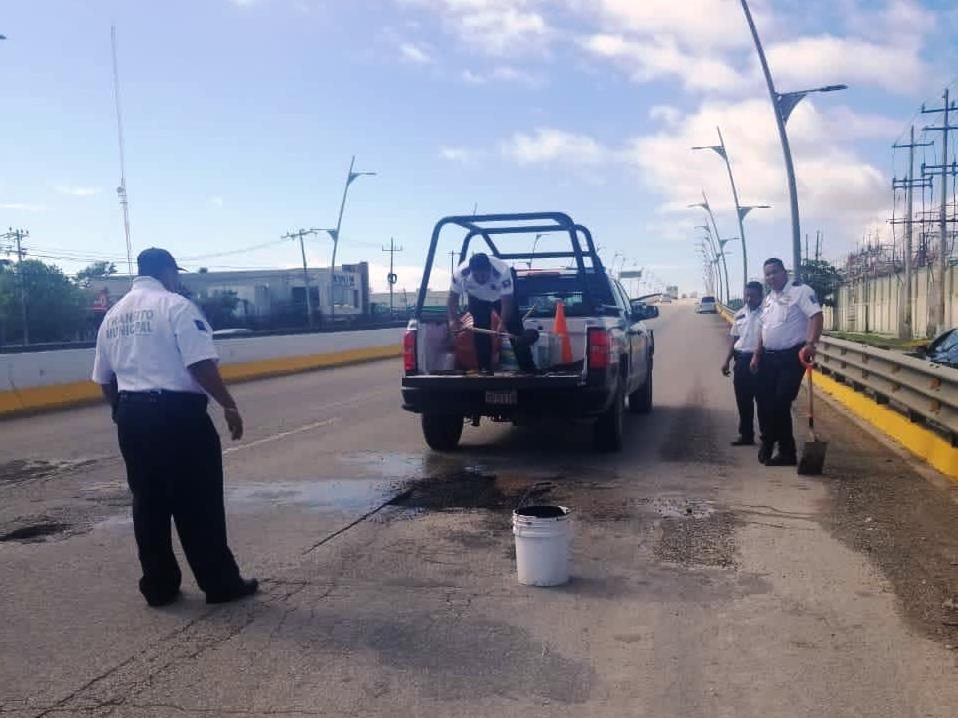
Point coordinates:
pixel 608 430
pixel 442 431
pixel 640 400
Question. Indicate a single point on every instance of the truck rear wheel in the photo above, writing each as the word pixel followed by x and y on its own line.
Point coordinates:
pixel 640 400
pixel 442 431
pixel 608 430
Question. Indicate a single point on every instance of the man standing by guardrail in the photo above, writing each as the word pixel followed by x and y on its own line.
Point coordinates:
pixel 156 364
pixel 791 323
pixel 746 332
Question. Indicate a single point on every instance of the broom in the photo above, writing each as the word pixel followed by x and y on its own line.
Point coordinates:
pixel 812 460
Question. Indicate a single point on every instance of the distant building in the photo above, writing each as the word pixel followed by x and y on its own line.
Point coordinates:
pixel 267 293
pixel 404 300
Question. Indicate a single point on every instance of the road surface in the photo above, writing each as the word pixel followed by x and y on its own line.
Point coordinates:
pixel 703 583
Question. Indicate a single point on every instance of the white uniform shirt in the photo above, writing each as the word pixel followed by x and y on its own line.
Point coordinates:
pixel 149 338
pixel 746 328
pixel 499 284
pixel 785 316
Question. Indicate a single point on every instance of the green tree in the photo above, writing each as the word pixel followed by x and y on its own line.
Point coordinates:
pixel 55 305
pixel 219 308
pixel 97 270
pixel 823 277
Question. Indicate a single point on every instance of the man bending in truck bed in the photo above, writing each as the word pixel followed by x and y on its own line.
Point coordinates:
pixel 488 282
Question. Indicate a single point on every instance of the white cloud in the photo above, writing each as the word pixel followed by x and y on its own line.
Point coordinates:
pixel 660 58
pixel 217 202
pixel 77 191
pixel 409 277
pixel 461 155
pixel 23 207
pixel 493 27
pixel 835 184
pixel 826 59
pixel 547 145
pixel 245 3
pixel 665 113
pixel 502 73
pixel 415 53
pixel 705 24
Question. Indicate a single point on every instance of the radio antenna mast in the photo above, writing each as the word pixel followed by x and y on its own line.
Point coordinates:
pixel 121 190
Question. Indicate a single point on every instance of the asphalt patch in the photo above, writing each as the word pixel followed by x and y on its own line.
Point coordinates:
pixel 692 432
pixel 462 491
pixel 706 540
pixel 35 532
pixel 21 471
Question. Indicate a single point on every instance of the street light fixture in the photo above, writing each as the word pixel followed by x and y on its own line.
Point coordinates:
pixel 704 204
pixel 722 151
pixel 351 177
pixel 783 104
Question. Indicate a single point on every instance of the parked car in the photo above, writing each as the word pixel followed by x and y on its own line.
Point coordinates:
pixel 643 310
pixel 944 349
pixel 706 305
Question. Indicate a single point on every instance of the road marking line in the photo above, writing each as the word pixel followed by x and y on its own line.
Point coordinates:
pixel 282 435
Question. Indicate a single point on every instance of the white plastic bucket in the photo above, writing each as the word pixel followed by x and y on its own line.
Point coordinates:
pixel 543 535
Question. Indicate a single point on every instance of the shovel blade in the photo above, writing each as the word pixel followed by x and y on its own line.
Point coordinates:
pixel 812 461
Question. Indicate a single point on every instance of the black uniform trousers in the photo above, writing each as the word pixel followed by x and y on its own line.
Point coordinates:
pixel 780 379
pixel 174 468
pixel 481 312
pixel 746 397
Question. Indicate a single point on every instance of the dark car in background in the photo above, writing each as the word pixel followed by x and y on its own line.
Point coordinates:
pixel 944 349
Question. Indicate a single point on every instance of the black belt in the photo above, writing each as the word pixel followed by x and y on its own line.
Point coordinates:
pixel 164 397
pixel 784 351
pixel 739 353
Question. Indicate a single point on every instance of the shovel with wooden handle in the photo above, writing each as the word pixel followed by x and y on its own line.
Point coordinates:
pixel 812 461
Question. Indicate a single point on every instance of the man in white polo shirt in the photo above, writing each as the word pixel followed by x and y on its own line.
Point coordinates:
pixel 488 283
pixel 156 364
pixel 791 327
pixel 745 335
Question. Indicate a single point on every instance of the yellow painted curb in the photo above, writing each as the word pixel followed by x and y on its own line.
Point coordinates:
pixel 924 444
pixel 58 396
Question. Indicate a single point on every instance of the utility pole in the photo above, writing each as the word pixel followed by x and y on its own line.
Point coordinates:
pixel 452 263
pixel 351 177
pixel 302 248
pixel 905 326
pixel 945 169
pixel 17 235
pixel 391 278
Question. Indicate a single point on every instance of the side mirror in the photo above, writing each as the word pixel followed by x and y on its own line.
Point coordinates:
pixel 653 312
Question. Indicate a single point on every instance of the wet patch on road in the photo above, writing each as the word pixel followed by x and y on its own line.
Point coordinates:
pixel 20 471
pixel 691 434
pixel 341 495
pixel 461 491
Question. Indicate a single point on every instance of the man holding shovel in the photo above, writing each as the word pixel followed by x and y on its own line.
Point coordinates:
pixel 791 326
pixel 488 283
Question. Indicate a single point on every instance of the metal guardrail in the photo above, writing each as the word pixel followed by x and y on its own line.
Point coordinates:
pixel 924 391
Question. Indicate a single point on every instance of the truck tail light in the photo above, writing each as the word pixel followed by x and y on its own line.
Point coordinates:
pixel 409 351
pixel 600 346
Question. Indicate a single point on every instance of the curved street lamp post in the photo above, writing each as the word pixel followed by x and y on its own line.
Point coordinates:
pixel 351 177
pixel 783 103
pixel 722 151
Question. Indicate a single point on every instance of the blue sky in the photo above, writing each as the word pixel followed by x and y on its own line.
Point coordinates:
pixel 241 117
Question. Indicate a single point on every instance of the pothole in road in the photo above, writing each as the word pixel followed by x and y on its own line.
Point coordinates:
pixel 35 532
pixel 677 508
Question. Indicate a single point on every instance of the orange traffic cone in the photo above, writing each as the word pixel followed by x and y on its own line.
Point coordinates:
pixel 562 330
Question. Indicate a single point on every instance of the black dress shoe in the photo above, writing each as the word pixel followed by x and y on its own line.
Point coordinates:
pixel 782 460
pixel 743 442
pixel 164 600
pixel 246 587
pixel 765 453
pixel 486 372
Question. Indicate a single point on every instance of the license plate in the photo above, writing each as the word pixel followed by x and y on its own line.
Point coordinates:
pixel 502 398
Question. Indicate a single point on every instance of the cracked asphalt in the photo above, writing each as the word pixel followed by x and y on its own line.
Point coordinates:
pixel 703 584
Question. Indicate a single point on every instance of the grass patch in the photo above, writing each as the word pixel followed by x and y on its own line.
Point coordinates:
pixel 882 341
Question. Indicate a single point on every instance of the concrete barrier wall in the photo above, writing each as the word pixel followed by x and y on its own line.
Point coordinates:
pixel 872 305
pixel 41 380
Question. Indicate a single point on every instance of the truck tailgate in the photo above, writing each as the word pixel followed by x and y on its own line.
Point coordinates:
pixel 458 383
